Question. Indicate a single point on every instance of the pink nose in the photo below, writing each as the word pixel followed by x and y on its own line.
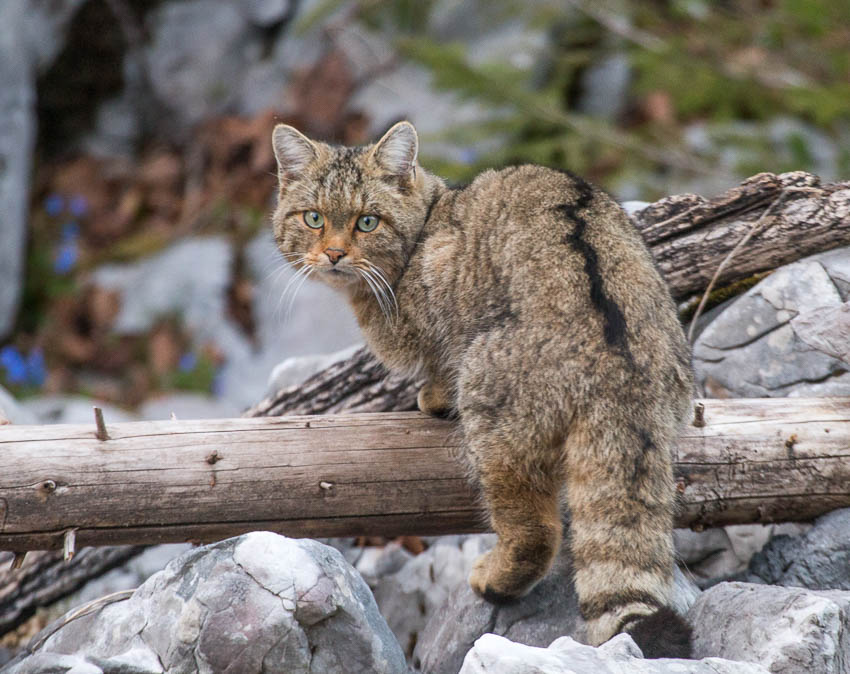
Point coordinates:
pixel 334 254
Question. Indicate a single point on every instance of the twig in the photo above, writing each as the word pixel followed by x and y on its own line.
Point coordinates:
pixel 84 610
pixel 757 227
pixel 619 26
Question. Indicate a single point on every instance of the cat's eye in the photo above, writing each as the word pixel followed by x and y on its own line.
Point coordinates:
pixel 314 219
pixel 367 223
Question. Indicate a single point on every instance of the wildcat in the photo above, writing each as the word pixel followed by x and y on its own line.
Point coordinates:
pixel 533 310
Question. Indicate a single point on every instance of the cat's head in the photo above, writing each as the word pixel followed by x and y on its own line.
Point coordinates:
pixel 350 214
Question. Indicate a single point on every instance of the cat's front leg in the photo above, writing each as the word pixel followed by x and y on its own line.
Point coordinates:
pixel 435 399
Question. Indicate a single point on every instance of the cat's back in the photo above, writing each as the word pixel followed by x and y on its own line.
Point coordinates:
pixel 556 256
pixel 544 233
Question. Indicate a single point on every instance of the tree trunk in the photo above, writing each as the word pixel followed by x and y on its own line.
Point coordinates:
pixel 689 236
pixel 759 460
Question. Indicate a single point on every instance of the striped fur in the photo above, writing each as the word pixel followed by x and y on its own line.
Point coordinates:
pixel 532 308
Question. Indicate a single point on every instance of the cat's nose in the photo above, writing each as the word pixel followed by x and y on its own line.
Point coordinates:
pixel 334 254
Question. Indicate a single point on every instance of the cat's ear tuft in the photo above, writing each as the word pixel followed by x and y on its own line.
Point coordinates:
pixel 292 149
pixel 396 152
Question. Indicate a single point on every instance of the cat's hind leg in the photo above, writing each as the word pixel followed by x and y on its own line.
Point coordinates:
pixel 516 460
pixel 621 497
pixel 524 511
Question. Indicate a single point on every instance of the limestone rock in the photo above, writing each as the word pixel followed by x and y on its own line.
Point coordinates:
pixel 31 34
pixel 818 559
pixel 259 602
pixel 722 552
pixel 785 336
pixel 787 630
pixel 13 411
pixel 493 654
pixel 420 588
pixel 548 612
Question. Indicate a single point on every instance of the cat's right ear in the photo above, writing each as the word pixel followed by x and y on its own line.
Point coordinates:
pixel 292 149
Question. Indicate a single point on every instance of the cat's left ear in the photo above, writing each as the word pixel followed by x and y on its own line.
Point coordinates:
pixel 396 152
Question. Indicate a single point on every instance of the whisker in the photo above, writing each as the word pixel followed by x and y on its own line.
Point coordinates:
pixel 310 270
pixel 380 275
pixel 378 291
pixel 289 284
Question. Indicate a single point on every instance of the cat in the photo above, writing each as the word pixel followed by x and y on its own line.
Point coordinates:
pixel 532 308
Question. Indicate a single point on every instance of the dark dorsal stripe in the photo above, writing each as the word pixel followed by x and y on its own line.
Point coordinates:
pixel 614 321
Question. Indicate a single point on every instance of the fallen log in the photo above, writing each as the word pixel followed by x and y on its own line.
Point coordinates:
pixel 689 236
pixel 754 460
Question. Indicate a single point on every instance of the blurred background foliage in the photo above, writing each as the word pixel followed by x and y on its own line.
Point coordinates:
pixel 154 116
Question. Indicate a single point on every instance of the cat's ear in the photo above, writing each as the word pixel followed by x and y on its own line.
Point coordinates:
pixel 292 149
pixel 396 152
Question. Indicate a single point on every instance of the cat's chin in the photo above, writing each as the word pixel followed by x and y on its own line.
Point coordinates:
pixel 337 278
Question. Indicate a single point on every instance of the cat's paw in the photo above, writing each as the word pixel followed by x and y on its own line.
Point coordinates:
pixel 433 402
pixel 496 583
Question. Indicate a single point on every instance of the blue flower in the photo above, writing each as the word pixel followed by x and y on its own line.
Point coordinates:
pixel 66 258
pixel 78 205
pixel 468 155
pixel 54 204
pixel 70 231
pixel 14 364
pixel 188 362
pixel 36 368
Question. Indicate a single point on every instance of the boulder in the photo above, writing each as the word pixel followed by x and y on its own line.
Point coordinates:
pixel 784 629
pixel 785 336
pixel 32 32
pixel 818 559
pixel 493 654
pixel 258 602
pixel 548 612
pixel 411 596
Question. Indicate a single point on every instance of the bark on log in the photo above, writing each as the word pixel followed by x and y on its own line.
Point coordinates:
pixel 759 460
pixel 689 236
pixel 45 577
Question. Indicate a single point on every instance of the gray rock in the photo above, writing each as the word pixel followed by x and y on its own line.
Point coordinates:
pixel 377 562
pixel 773 340
pixel 265 13
pixel 17 135
pixel 420 588
pixel 31 34
pixel 493 654
pixel 548 612
pixel 818 559
pixel 187 406
pixel 787 630
pixel 59 409
pixel 12 410
pixel 293 371
pixel 722 552
pixel 189 278
pixel 198 49
pixel 259 602
pixel 605 87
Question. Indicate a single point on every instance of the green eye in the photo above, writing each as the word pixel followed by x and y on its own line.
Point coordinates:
pixel 314 219
pixel 367 223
